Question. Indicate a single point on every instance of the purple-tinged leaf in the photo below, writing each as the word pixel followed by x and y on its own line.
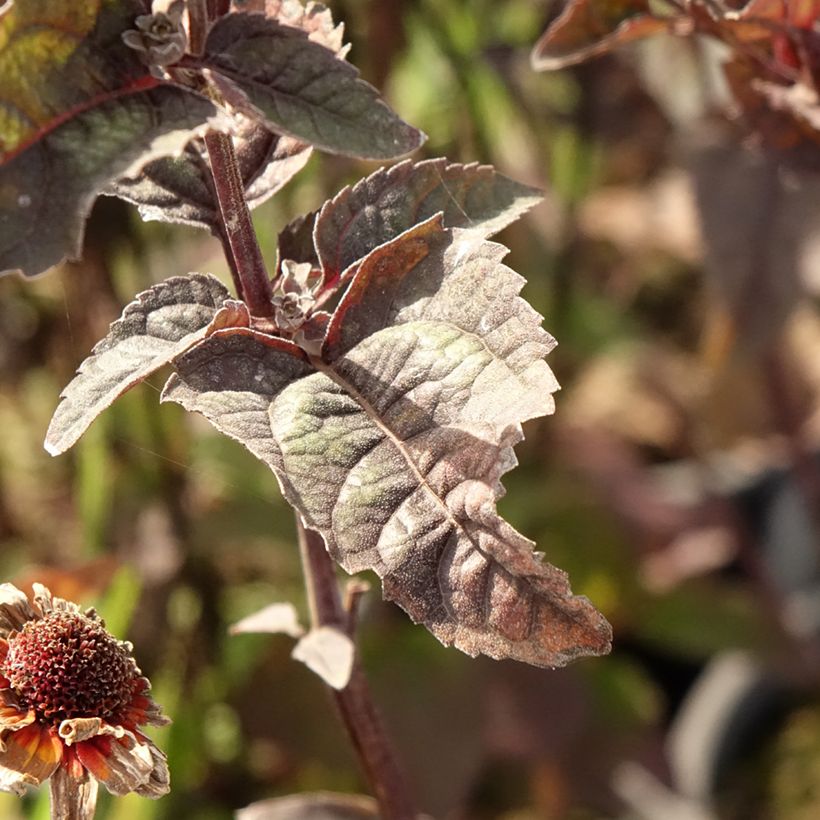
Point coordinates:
pixel 159 324
pixel 180 188
pixel 47 190
pixel 275 73
pixel 296 240
pixel 329 653
pixel 393 444
pixel 589 28
pixel 313 806
pixel 392 200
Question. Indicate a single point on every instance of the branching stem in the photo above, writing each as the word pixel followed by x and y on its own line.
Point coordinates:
pixel 355 702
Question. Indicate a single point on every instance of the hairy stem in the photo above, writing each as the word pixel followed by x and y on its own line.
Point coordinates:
pixel 236 225
pixel 355 702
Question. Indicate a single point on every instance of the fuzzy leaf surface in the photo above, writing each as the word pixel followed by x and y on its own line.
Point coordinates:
pixel 179 188
pixel 302 89
pixel 393 200
pixel 159 324
pixel 392 444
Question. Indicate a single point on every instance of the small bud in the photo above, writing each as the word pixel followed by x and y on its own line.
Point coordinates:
pixel 160 37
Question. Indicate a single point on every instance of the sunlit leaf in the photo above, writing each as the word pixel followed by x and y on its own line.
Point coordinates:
pixel 160 323
pixel 589 28
pixel 392 200
pixel 329 653
pixel 393 444
pixel 274 618
pixel 302 89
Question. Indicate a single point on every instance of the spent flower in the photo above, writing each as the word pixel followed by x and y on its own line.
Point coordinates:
pixel 72 701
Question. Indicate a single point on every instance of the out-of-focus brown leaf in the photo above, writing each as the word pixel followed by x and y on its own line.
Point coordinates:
pixel 589 28
pixel 274 618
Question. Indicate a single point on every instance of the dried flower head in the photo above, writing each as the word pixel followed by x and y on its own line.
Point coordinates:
pixel 72 700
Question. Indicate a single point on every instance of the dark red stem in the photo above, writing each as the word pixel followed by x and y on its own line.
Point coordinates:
pixel 236 225
pixel 355 702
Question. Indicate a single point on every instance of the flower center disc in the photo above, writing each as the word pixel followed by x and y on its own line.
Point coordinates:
pixel 66 665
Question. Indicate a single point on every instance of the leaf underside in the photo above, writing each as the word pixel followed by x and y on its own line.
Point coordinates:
pixel 180 189
pixel 159 324
pixel 393 444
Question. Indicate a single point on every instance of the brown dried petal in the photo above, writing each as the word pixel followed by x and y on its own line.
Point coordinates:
pixel 15 609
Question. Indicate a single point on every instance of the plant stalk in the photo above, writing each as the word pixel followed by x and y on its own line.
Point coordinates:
pixel 355 702
pixel 245 256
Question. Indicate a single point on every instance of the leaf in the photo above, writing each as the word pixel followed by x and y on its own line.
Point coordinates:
pixel 274 618
pixel 393 444
pixel 314 806
pixel 47 191
pixel 57 59
pixel 392 200
pixel 180 189
pixel 329 653
pixel 302 89
pixel 589 28
pixel 158 325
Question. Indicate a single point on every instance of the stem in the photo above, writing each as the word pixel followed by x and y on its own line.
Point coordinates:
pixel 237 226
pixel 355 702
pixel 197 26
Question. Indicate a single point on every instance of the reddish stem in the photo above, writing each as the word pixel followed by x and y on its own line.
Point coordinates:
pixel 237 226
pixel 355 701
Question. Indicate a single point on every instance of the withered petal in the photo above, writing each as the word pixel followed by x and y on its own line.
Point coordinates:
pixel 12 718
pixel 119 768
pixel 15 782
pixel 73 796
pixel 159 782
pixel 33 751
pixel 15 609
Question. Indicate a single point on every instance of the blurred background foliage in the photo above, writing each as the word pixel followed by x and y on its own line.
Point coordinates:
pixel 678 482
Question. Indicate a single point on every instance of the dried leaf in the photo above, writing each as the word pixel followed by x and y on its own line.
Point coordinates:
pixel 159 324
pixel 302 89
pixel 329 653
pixel 275 618
pixel 393 444
pixel 589 28
pixel 392 200
pixel 315 806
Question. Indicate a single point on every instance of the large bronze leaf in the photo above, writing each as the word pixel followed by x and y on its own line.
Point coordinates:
pixel 393 442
